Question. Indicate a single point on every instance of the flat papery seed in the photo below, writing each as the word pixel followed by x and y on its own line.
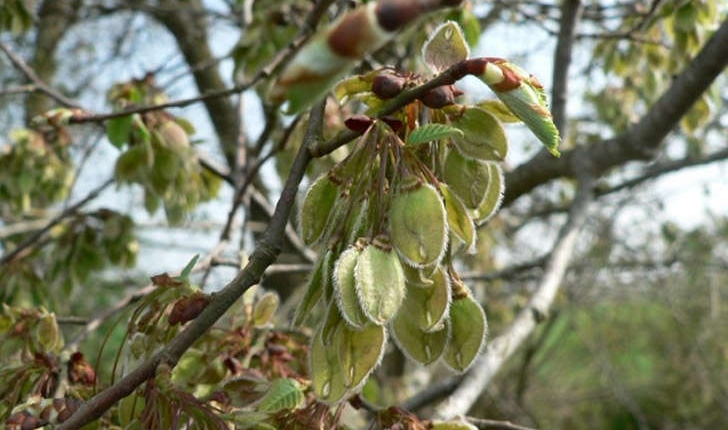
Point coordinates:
pixel 467 178
pixel 428 306
pixel 493 197
pixel 359 352
pixel 316 209
pixel 327 378
pixel 458 218
pixel 330 324
pixel 380 283
pixel 418 226
pixel 483 135
pixel 314 288
pixel 345 288
pixel 416 277
pixel 420 346
pixel 468 330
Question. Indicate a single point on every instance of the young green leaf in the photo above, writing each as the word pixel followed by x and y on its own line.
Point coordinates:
pixel 525 97
pixel 284 393
pixel 432 132
pixel 185 275
pixel 499 110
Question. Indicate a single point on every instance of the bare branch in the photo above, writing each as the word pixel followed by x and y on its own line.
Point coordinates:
pixel 571 11
pixel 503 346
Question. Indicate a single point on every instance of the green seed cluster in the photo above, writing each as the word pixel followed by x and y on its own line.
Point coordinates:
pixel 389 219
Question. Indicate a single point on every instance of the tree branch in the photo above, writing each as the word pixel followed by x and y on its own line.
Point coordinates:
pixel 571 11
pixel 641 141
pixel 503 346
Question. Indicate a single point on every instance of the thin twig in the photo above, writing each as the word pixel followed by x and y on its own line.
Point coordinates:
pixel 33 77
pixel 22 89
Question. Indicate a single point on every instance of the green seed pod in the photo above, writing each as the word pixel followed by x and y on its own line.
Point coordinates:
pixel 173 136
pixel 419 345
pixel 493 197
pixel 48 334
pixel 417 277
pixel 357 221
pixel 359 352
pixel 428 306
pixel 483 135
pixel 458 218
pixel 380 283
pixel 345 288
pixel 418 226
pixel 467 178
pixel 316 209
pixel 468 329
pixel 265 309
pixel 330 324
pixel 317 284
pixel 327 378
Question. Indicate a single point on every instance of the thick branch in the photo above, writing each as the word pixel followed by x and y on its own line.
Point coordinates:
pixel 502 347
pixel 641 141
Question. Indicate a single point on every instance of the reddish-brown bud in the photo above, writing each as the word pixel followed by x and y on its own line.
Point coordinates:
pixel 387 86
pixel 80 371
pixel 187 308
pixel 394 123
pixel 23 420
pixel 358 123
pixel 439 97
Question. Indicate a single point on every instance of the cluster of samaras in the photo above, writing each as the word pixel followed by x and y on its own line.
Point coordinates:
pixel 390 218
